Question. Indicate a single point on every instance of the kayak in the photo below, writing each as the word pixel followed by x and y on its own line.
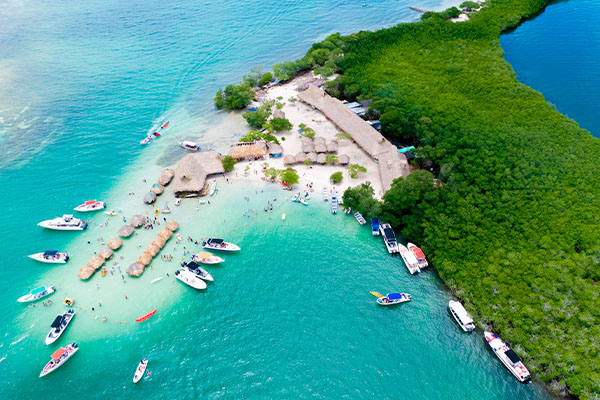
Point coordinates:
pixel 146 316
pixel 376 294
pixel 111 213
pixel 139 372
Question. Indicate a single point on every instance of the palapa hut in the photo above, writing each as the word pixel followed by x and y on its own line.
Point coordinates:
pixel 152 250
pixel 275 150
pixel 300 157
pixel 250 151
pixel 105 253
pixel 85 272
pixel 278 114
pixel 114 243
pixel 312 156
pixel 135 269
pixel 192 170
pixel 144 259
pixel 95 262
pixel 289 159
pixel 137 220
pixel 166 176
pixel 165 234
pixel 332 147
pixel 157 189
pixel 149 198
pixel 343 159
pixel 307 145
pixel 321 158
pixel 125 231
pixel 172 226
pixel 320 147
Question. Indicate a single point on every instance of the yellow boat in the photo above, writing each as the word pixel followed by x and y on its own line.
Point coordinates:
pixel 111 213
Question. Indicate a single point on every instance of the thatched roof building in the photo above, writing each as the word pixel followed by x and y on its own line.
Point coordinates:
pixel 308 145
pixel 114 243
pixel 105 253
pixel 321 157
pixel 166 176
pixel 243 150
pixel 278 114
pixel 319 139
pixel 275 150
pixel 332 147
pixel 85 272
pixel 137 220
pixel 125 231
pixel 321 147
pixel 192 170
pixel 135 269
pixel 157 189
pixel 95 262
pixel 172 226
pixel 312 156
pixel 149 198
pixel 300 157
pixel 289 160
pixel 343 159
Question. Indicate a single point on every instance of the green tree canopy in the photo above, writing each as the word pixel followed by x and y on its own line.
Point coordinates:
pixel 234 97
pixel 258 117
pixel 266 78
pixel 290 176
pixel 360 198
pixel 355 169
pixel 281 124
pixel 228 163
pixel 337 177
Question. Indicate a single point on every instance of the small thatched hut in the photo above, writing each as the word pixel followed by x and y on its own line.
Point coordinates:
pixel 85 272
pixel 300 157
pixel 307 145
pixel 243 150
pixel 157 189
pixel 137 220
pixel 344 159
pixel 152 250
pixel 321 157
pixel 95 262
pixel 192 170
pixel 289 160
pixel 144 259
pixel 319 139
pixel 114 243
pixel 149 198
pixel 165 234
pixel 125 231
pixel 312 156
pixel 166 176
pixel 105 253
pixel 135 269
pixel 278 114
pixel 332 147
pixel 172 226
pixel 275 150
pixel 321 147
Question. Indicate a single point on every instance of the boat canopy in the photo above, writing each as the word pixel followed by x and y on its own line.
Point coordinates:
pixel 50 253
pixel 512 356
pixel 418 252
pixel 204 254
pixel 38 290
pixel 192 265
pixel 58 353
pixel 375 224
pixel 215 241
pixel 67 217
pixel 90 202
pixel 389 233
pixel 57 321
pixel 461 313
pixel 395 296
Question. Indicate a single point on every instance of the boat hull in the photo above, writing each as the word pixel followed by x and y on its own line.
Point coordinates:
pixel 97 207
pixel 229 247
pixel 139 372
pixel 47 225
pixel 40 257
pixel 29 298
pixel 211 261
pixel 191 280
pixel 52 336
pixel 52 366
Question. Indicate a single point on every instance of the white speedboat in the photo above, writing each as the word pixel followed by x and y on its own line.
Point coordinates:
pixel 334 202
pixel 36 294
pixel 190 279
pixel 461 316
pixel 59 357
pixel 91 205
pixel 59 325
pixel 409 259
pixel 361 220
pixel 393 298
pixel 325 194
pixel 192 146
pixel 139 372
pixel 389 238
pixel 205 257
pixel 177 202
pixel 302 201
pixel 197 270
pixel 213 187
pixel 50 257
pixel 509 358
pixel 64 223
pixel 219 245
pixel 419 255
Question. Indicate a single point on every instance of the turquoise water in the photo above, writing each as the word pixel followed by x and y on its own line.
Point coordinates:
pixel 290 316
pixel 558 54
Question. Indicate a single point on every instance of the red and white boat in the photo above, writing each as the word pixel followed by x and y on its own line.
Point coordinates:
pixel 410 260
pixel 509 358
pixel 59 357
pixel 419 254
pixel 91 205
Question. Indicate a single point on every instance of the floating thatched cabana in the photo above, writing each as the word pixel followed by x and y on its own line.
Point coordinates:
pixel 332 147
pixel 152 250
pixel 149 198
pixel 95 262
pixel 343 159
pixel 300 157
pixel 125 231
pixel 243 150
pixel 312 156
pixel 135 269
pixel 321 147
pixel 85 272
pixel 172 226
pixel 144 259
pixel 321 157
pixel 114 243
pixel 166 176
pixel 192 170
pixel 289 159
pixel 137 220
pixel 165 234
pixel 157 189
pixel 105 253
pixel 275 150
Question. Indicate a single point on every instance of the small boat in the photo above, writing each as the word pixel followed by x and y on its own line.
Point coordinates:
pixel 190 279
pixel 64 223
pixel 409 259
pixel 325 194
pixel 145 141
pixel 340 201
pixel 509 358
pixel 359 218
pixel 461 316
pixel 50 257
pixel 219 245
pixel 59 357
pixel 59 325
pixel 205 257
pixel 156 279
pixel 375 227
pixel 306 195
pixel 419 255
pixel 197 270
pixel 112 213
pixel 36 294
pixel 302 201
pixel 69 302
pixel 202 201
pixel 283 217
pixel 192 146
pixel 177 202
pixel 213 187
pixel 394 298
pixel 166 209
pixel 163 126
pixel 295 197
pixel 376 294
pixel 91 205
pixel 389 238
pixel 146 316
pixel 334 203
pixel 139 372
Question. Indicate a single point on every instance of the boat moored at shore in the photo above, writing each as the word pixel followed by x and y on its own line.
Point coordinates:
pixel 91 205
pixel 213 187
pixel 334 202
pixel 389 238
pixel 509 358
pixel 375 226
pixel 197 270
pixel 59 325
pixel 361 220
pixel 59 357
pixel 65 223
pixel 409 259
pixel 36 294
pixel 219 245
pixel 461 316
pixel 419 255
pixel 190 279
pixel 50 257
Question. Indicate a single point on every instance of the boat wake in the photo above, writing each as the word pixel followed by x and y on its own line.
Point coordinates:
pixel 19 340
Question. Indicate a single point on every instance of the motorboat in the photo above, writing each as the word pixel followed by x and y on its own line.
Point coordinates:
pixel 213 187
pixel 166 209
pixel 36 294
pixel 205 257
pixel 197 270
pixel 192 146
pixel 509 358
pixel 409 259
pixel 361 220
pixel 91 205
pixel 389 238
pixel 139 372
pixel 295 197
pixel 50 257
pixel 190 279
pixel 461 316
pixel 64 223
pixel 419 255
pixel 325 194
pixel 219 245
pixel 393 298
pixel 334 203
pixel 375 227
pixel 59 325
pixel 302 201
pixel 59 357
pixel 177 202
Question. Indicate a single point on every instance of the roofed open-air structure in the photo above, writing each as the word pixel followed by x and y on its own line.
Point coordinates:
pixel 275 150
pixel 250 150
pixel 192 170
pixel 391 163
pixel 289 159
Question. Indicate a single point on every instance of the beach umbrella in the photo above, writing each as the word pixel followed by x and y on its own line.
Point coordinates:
pixel 300 157
pixel 125 231
pixel 332 147
pixel 85 272
pixel 165 234
pixel 312 156
pixel 166 176
pixel 105 253
pixel 289 159
pixel 157 189
pixel 114 243
pixel 144 259
pixel 158 242
pixel 135 269
pixel 172 226
pixel 344 159
pixel 137 220
pixel 96 262
pixel 321 158
pixel 149 198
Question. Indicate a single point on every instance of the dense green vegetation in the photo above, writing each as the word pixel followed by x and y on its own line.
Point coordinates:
pixel 280 124
pixel 355 169
pixel 228 163
pixel 469 5
pixel 360 198
pixel 266 78
pixel 251 136
pixel 289 176
pixel 234 97
pixel 513 224
pixel 258 117
pixel 337 177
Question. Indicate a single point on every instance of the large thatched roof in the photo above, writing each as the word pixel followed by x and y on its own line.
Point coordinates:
pixel 192 170
pixel 289 159
pixel 243 150
pixel 392 165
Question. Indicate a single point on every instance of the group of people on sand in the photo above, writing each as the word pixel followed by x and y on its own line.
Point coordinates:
pixel 166 257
